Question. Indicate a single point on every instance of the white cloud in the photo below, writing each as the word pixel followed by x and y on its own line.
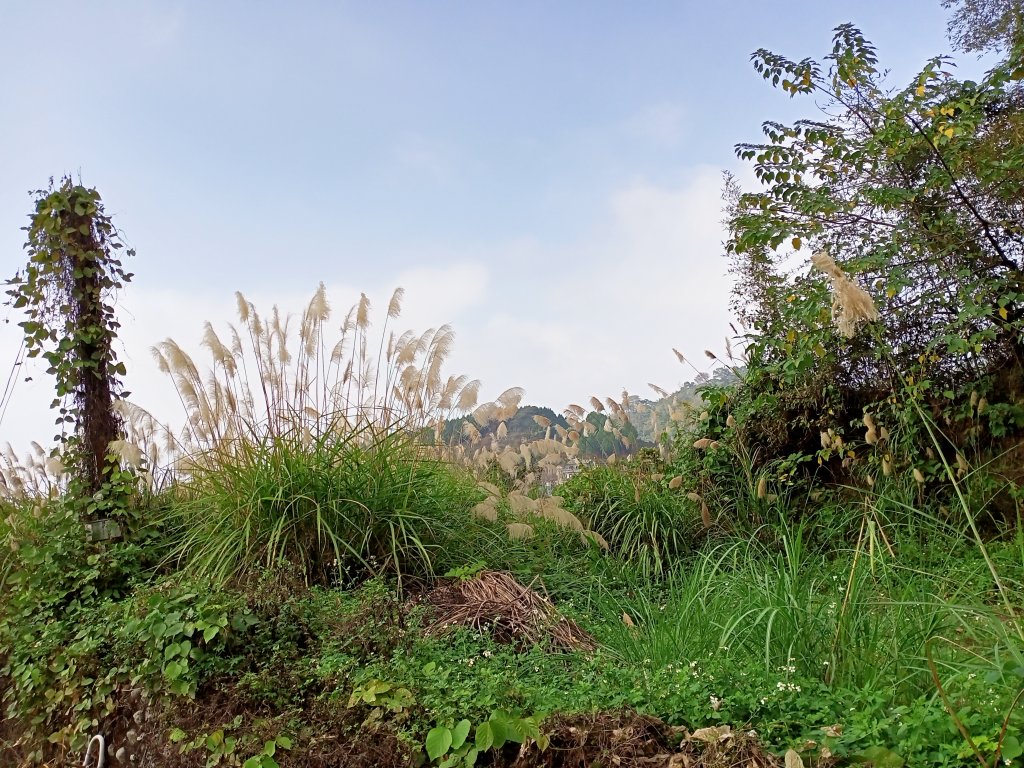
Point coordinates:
pixel 605 313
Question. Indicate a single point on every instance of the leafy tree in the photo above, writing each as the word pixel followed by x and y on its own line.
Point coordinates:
pixel 984 25
pixel 65 289
pixel 917 192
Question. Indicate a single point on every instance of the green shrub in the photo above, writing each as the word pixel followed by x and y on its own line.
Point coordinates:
pixel 644 522
pixel 58 624
pixel 337 505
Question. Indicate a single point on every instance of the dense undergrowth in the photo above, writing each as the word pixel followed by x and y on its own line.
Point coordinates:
pixel 866 632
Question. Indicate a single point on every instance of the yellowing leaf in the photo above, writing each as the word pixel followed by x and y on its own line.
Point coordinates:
pixel 1003 313
pixel 796 243
pixel 920 90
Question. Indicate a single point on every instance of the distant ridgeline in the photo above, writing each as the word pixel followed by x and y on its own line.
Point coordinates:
pixel 648 419
pixel 652 418
pixel 524 428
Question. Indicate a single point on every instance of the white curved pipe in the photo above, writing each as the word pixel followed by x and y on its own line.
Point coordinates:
pixel 101 759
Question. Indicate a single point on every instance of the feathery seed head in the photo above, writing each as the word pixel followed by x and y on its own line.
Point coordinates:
pixel 851 304
pixel 363 312
pixel 468 396
pixel 395 305
pixel 243 307
pixel 319 310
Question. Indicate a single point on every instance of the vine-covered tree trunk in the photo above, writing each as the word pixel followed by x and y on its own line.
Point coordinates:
pixel 98 423
pixel 66 290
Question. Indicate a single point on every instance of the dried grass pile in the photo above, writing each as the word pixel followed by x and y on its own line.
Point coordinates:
pixel 496 603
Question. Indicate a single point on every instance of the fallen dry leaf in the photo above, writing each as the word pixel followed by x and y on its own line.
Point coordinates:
pixel 711 734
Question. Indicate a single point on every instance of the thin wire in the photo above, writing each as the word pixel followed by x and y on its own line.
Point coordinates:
pixel 5 400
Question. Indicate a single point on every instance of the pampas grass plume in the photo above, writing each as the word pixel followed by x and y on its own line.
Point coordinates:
pixel 851 304
pixel 871 436
pixel 705 514
pixel 363 312
pixel 395 305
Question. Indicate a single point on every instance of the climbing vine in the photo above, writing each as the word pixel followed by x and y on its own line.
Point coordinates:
pixel 66 291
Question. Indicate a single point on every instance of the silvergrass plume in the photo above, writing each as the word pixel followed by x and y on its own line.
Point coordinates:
pixel 851 304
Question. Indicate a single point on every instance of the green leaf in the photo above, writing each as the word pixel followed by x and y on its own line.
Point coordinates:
pixel 284 742
pixel 173 670
pixel 501 728
pixel 459 733
pixel 439 741
pixel 1012 748
pixel 484 737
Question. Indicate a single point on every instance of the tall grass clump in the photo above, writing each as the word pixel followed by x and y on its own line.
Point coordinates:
pixel 644 522
pixel 859 617
pixel 322 454
pixel 336 505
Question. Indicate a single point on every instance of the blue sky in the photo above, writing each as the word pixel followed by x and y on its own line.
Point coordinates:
pixel 544 176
